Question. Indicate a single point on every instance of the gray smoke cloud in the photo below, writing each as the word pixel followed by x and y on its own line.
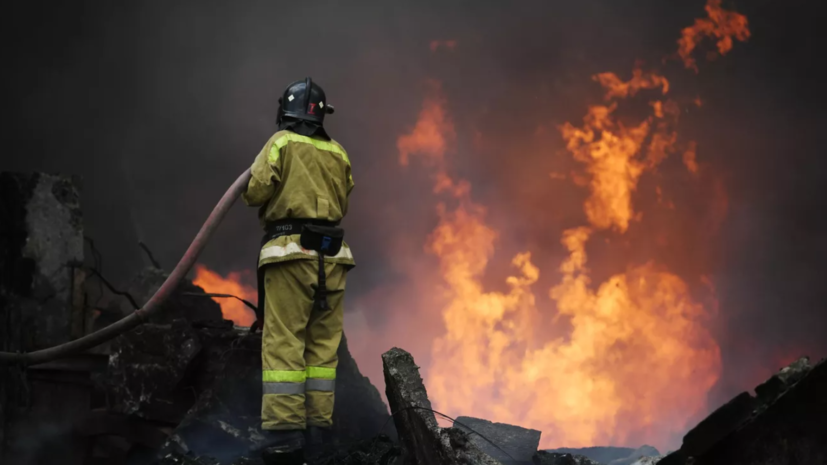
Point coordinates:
pixel 159 105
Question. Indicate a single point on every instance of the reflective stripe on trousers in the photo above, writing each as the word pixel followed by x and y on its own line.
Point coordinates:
pixel 297 382
pixel 283 382
pixel 321 379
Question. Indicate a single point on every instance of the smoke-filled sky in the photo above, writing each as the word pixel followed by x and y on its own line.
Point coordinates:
pixel 160 105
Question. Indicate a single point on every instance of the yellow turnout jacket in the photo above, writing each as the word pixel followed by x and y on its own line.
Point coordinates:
pixel 299 177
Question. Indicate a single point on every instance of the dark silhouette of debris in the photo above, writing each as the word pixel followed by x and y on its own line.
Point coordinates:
pixel 423 441
pixel 515 445
pixel 784 424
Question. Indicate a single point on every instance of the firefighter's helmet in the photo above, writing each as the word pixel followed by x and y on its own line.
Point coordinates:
pixel 304 100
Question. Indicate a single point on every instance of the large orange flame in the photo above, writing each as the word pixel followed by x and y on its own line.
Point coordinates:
pixel 232 309
pixel 638 361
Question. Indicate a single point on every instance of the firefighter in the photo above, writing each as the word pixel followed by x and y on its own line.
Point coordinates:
pixel 300 181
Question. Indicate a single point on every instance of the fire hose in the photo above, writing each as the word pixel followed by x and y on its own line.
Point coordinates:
pixel 141 315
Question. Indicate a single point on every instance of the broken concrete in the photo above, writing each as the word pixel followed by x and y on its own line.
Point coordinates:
pixel 598 454
pixel 561 458
pixel 789 429
pixel 648 460
pixel 423 441
pixel 148 367
pixel 224 421
pixel 643 453
pixel 611 455
pixel 41 245
pixel 512 445
pixel 41 251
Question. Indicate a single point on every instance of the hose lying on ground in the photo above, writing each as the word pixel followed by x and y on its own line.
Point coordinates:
pixel 141 315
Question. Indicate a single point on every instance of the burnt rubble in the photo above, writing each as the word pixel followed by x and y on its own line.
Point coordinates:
pixel 612 455
pixel 177 387
pixel 147 370
pixel 41 251
pixel 423 441
pixel 561 458
pixel 185 389
pixel 509 444
pixel 784 423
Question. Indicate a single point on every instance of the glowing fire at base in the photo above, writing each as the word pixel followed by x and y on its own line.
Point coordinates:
pixel 232 309
pixel 639 361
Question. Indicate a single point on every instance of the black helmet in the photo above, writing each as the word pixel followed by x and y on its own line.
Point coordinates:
pixel 300 103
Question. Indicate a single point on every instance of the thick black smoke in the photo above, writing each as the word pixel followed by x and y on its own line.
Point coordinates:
pixel 159 105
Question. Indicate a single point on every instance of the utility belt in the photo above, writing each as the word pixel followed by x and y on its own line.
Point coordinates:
pixel 323 237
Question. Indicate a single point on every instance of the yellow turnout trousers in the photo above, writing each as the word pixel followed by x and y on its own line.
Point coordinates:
pixel 299 345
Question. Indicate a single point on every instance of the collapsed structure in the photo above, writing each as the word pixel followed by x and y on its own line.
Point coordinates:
pixel 185 388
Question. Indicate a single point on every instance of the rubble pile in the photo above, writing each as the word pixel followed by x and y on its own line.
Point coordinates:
pixel 784 423
pixel 561 458
pixel 185 389
pixel 612 455
pixel 208 378
pixel 148 371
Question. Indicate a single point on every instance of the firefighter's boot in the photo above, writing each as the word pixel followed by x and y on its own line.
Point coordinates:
pixel 317 440
pixel 284 448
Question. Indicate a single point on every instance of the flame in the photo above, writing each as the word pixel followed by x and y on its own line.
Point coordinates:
pixel 610 149
pixel 638 361
pixel 617 88
pixel 721 24
pixel 432 133
pixel 690 158
pixel 232 309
